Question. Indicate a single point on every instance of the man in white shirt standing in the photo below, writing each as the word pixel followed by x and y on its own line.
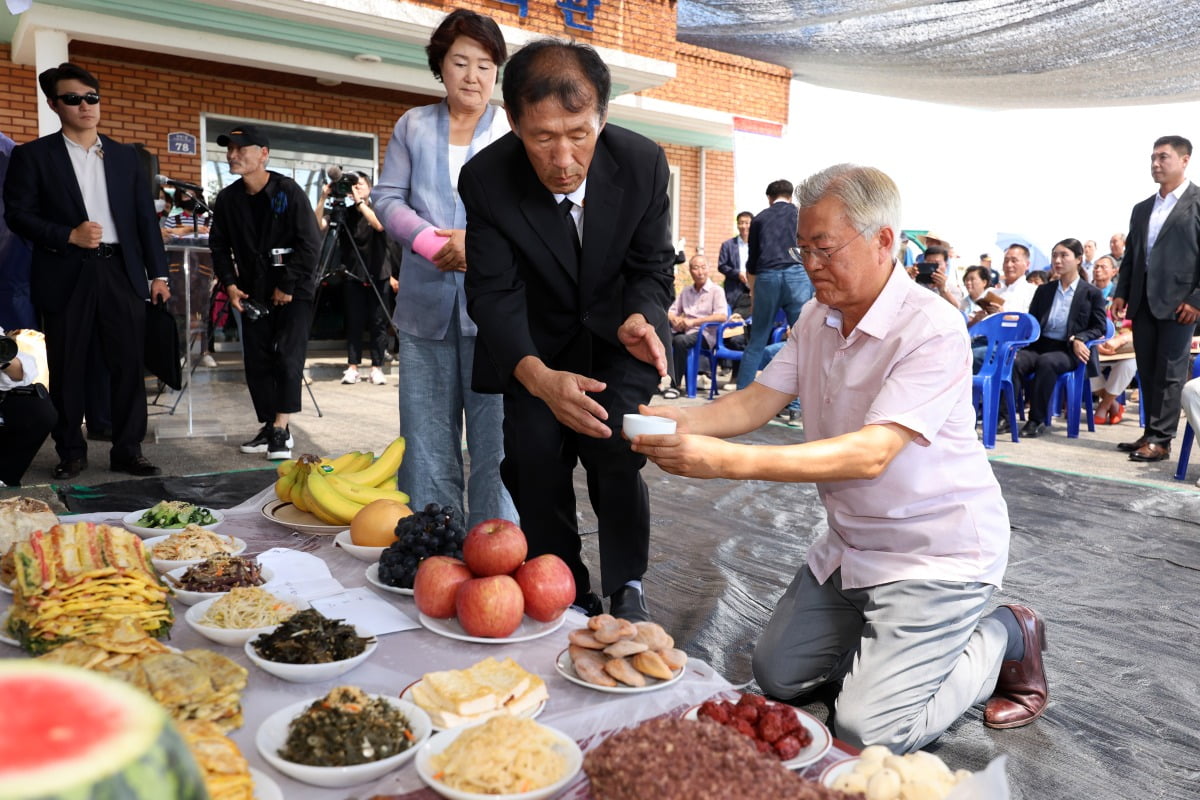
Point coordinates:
pixel 1159 289
pixel 83 201
pixel 731 262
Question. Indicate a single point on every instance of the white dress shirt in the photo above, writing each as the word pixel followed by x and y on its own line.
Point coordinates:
pixel 89 172
pixel 1160 212
pixel 575 197
pixel 743 247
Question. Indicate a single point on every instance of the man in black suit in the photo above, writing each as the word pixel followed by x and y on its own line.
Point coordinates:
pixel 1070 312
pixel 569 274
pixel 731 262
pixel 1157 288
pixel 84 203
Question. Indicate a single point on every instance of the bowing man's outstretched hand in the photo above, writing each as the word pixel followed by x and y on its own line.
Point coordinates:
pixel 643 342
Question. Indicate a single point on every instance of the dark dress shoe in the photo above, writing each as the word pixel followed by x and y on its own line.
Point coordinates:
pixel 138 465
pixel 100 435
pixel 1002 425
pixel 69 468
pixel 1021 692
pixel 589 604
pixel 1032 430
pixel 1129 447
pixel 628 603
pixel 1151 452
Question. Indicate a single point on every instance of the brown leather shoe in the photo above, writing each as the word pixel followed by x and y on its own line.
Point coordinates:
pixel 1021 692
pixel 1129 447
pixel 1151 452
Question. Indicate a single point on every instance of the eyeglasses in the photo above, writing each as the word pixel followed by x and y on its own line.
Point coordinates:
pixel 807 255
pixel 72 99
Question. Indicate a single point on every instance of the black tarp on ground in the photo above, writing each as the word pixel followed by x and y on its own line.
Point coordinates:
pixel 1114 568
pixel 215 490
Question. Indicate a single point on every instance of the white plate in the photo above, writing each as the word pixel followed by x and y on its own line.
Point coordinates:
pixel 264 787
pixel 529 713
pixel 312 673
pixel 292 518
pixel 4 637
pixel 528 629
pixel 565 668
pixel 190 598
pixel 359 551
pixel 272 735
pixel 822 739
pixel 4 587
pixel 129 523
pixel 166 565
pixel 564 744
pixel 230 637
pixel 836 770
pixel 373 579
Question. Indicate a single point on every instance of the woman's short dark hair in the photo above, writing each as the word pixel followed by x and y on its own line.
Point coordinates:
pixel 461 22
pixel 65 71
pixel 984 274
pixel 553 68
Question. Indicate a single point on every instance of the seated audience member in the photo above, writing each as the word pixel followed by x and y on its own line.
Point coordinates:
pixel 703 301
pixel 1104 277
pixel 26 413
pixel 977 282
pixel 1071 313
pixel 1115 376
pixel 890 602
pixel 938 281
pixel 1013 287
pixel 1190 399
pixel 1038 277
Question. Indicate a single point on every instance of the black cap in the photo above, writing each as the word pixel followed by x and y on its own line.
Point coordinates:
pixel 243 135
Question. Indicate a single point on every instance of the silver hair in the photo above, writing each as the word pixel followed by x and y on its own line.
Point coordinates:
pixel 870 198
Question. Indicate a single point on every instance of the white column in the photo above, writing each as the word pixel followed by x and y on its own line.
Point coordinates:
pixel 50 49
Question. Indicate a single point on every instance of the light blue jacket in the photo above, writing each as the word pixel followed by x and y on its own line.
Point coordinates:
pixel 413 193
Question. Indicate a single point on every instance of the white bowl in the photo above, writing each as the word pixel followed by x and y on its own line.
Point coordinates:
pixel 230 637
pixel 272 735
pixel 190 598
pixel 646 425
pixel 311 673
pixel 361 552
pixel 166 565
pixel 440 741
pixel 129 523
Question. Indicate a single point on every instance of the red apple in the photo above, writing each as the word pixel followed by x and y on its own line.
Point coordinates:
pixel 494 547
pixel 491 607
pixel 548 586
pixel 436 583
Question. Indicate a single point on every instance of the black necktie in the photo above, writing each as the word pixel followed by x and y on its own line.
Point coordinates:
pixel 569 223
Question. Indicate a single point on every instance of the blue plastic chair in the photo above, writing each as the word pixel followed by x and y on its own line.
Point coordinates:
pixel 1074 391
pixel 699 351
pixel 1006 334
pixel 1189 435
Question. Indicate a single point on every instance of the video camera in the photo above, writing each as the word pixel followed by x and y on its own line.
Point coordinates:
pixel 8 350
pixel 341 185
pixel 925 271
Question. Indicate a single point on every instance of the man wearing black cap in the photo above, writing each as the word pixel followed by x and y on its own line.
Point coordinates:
pixel 265 244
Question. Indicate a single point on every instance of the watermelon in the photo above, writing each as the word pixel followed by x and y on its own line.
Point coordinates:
pixel 71 734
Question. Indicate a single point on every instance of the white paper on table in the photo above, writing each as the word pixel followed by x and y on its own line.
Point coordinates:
pixel 300 575
pixel 987 784
pixel 363 608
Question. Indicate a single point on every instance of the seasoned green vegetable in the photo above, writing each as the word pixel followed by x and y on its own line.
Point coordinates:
pixel 310 637
pixel 175 514
pixel 344 728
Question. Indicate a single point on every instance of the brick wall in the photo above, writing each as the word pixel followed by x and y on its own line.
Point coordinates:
pixel 725 82
pixel 18 106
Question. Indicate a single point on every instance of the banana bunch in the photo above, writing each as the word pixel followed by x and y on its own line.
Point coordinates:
pixel 334 489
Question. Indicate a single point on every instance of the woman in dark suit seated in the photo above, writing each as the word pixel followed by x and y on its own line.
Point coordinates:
pixel 1071 313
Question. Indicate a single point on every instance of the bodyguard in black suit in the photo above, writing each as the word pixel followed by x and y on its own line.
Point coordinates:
pixel 569 273
pixel 1067 327
pixel 731 264
pixel 84 203
pixel 1157 288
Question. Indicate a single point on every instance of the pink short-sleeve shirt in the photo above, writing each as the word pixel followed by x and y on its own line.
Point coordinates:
pixel 936 512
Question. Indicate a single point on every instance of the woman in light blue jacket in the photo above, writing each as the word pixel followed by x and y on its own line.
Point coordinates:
pixel 417 200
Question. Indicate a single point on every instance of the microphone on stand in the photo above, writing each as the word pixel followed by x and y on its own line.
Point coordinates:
pixel 163 180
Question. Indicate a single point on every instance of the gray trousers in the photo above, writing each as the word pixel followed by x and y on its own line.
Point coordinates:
pixel 913 655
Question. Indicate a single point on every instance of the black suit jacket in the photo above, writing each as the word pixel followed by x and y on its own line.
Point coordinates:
pixel 1172 275
pixel 772 235
pixel 1086 319
pixel 729 266
pixel 43 204
pixel 523 289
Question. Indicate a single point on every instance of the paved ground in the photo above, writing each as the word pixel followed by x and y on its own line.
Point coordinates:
pixel 363 416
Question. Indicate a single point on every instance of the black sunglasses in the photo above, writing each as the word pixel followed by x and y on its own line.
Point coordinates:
pixel 72 99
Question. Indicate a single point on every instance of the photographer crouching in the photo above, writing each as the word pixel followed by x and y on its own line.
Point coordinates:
pixel 26 413
pixel 264 243
pixel 369 260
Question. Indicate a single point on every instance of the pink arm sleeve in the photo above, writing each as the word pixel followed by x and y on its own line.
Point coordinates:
pixel 427 243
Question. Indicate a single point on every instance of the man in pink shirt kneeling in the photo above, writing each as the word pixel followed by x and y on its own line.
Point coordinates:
pixel 891 598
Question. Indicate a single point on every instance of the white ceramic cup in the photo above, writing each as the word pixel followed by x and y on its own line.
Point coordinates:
pixel 641 424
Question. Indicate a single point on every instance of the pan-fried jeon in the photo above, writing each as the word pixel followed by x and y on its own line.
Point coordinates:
pixel 226 773
pixel 79 579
